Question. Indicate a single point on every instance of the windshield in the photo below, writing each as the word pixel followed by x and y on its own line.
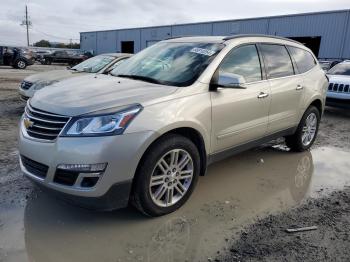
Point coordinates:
pixel 94 64
pixel 340 69
pixel 178 64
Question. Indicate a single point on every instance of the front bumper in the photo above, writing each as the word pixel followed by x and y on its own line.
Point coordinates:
pixel 121 153
pixel 338 99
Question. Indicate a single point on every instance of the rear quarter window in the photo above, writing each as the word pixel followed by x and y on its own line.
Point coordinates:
pixel 304 59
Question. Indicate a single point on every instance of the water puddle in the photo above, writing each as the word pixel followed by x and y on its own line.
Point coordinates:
pixel 234 193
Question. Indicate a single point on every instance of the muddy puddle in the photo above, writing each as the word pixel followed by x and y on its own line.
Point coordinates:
pixel 235 193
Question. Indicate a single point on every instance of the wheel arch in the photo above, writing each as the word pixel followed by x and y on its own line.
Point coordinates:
pixel 189 132
pixel 318 104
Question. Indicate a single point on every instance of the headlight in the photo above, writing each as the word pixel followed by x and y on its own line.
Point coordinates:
pixel 102 125
pixel 39 85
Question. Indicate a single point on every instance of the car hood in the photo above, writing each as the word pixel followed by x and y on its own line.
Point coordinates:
pixel 340 79
pixel 89 93
pixel 54 75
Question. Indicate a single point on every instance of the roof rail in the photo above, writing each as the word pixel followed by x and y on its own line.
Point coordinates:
pixel 259 35
pixel 180 36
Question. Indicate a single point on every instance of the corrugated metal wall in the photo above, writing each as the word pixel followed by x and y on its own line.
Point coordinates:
pixel 106 42
pixel 154 34
pixel 88 41
pixel 192 29
pixel 329 26
pixel 346 43
pixel 333 27
pixel 129 35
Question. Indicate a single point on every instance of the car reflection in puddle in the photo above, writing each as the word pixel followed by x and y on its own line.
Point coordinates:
pixel 234 193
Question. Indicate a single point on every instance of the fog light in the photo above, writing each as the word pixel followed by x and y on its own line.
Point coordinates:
pixel 83 167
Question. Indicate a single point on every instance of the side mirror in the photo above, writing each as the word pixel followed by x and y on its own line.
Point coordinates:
pixel 227 80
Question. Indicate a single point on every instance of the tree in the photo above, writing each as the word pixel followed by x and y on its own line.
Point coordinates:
pixel 61 45
pixel 46 43
pixel 42 43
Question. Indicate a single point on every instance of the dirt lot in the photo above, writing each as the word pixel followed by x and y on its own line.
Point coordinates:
pixel 238 212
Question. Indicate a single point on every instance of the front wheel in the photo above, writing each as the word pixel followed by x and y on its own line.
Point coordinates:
pixel 166 176
pixel 306 132
pixel 20 64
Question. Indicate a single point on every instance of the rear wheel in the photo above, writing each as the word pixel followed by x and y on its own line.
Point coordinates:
pixel 306 132
pixel 166 176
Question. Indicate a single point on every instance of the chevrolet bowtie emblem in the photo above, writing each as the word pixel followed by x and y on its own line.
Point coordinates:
pixel 27 123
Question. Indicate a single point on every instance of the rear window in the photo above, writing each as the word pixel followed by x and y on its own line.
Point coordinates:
pixel 277 60
pixel 304 59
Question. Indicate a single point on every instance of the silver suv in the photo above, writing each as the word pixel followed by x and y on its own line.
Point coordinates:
pixel 145 133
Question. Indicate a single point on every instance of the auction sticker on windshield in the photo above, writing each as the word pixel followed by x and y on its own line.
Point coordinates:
pixel 202 51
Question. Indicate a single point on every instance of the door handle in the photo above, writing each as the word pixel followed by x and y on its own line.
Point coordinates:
pixel 299 87
pixel 263 95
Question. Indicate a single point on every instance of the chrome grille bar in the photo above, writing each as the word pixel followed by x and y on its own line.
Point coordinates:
pixel 43 125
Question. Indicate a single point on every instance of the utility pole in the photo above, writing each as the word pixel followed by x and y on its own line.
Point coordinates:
pixel 27 23
pixel 27 26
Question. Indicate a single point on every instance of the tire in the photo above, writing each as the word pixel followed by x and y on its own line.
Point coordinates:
pixel 296 142
pixel 154 200
pixel 47 62
pixel 20 64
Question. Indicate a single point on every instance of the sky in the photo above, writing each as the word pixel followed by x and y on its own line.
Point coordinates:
pixel 62 20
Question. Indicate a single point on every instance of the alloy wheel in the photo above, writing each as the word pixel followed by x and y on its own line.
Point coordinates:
pixel 171 177
pixel 309 129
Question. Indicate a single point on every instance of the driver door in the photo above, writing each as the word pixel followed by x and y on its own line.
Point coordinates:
pixel 240 115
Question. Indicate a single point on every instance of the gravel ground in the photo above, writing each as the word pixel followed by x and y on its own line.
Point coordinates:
pixel 267 240
pixel 264 240
pixel 13 188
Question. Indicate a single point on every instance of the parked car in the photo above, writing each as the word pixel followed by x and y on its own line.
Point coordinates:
pixel 328 64
pixel 63 57
pixel 39 55
pixel 15 57
pixel 99 64
pixel 145 133
pixel 338 94
pixel 325 65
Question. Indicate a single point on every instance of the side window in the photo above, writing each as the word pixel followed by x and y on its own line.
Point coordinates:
pixel 304 60
pixel 243 61
pixel 277 61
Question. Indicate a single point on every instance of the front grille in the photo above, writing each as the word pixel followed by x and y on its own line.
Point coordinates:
pixel 44 125
pixel 65 177
pixel 33 167
pixel 339 88
pixel 26 85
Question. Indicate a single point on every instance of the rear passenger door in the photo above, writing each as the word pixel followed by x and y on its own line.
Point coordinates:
pixel 286 87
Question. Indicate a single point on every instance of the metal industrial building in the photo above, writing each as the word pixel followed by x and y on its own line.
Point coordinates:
pixel 326 33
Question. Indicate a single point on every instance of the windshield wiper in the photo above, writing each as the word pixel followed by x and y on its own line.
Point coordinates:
pixel 142 78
